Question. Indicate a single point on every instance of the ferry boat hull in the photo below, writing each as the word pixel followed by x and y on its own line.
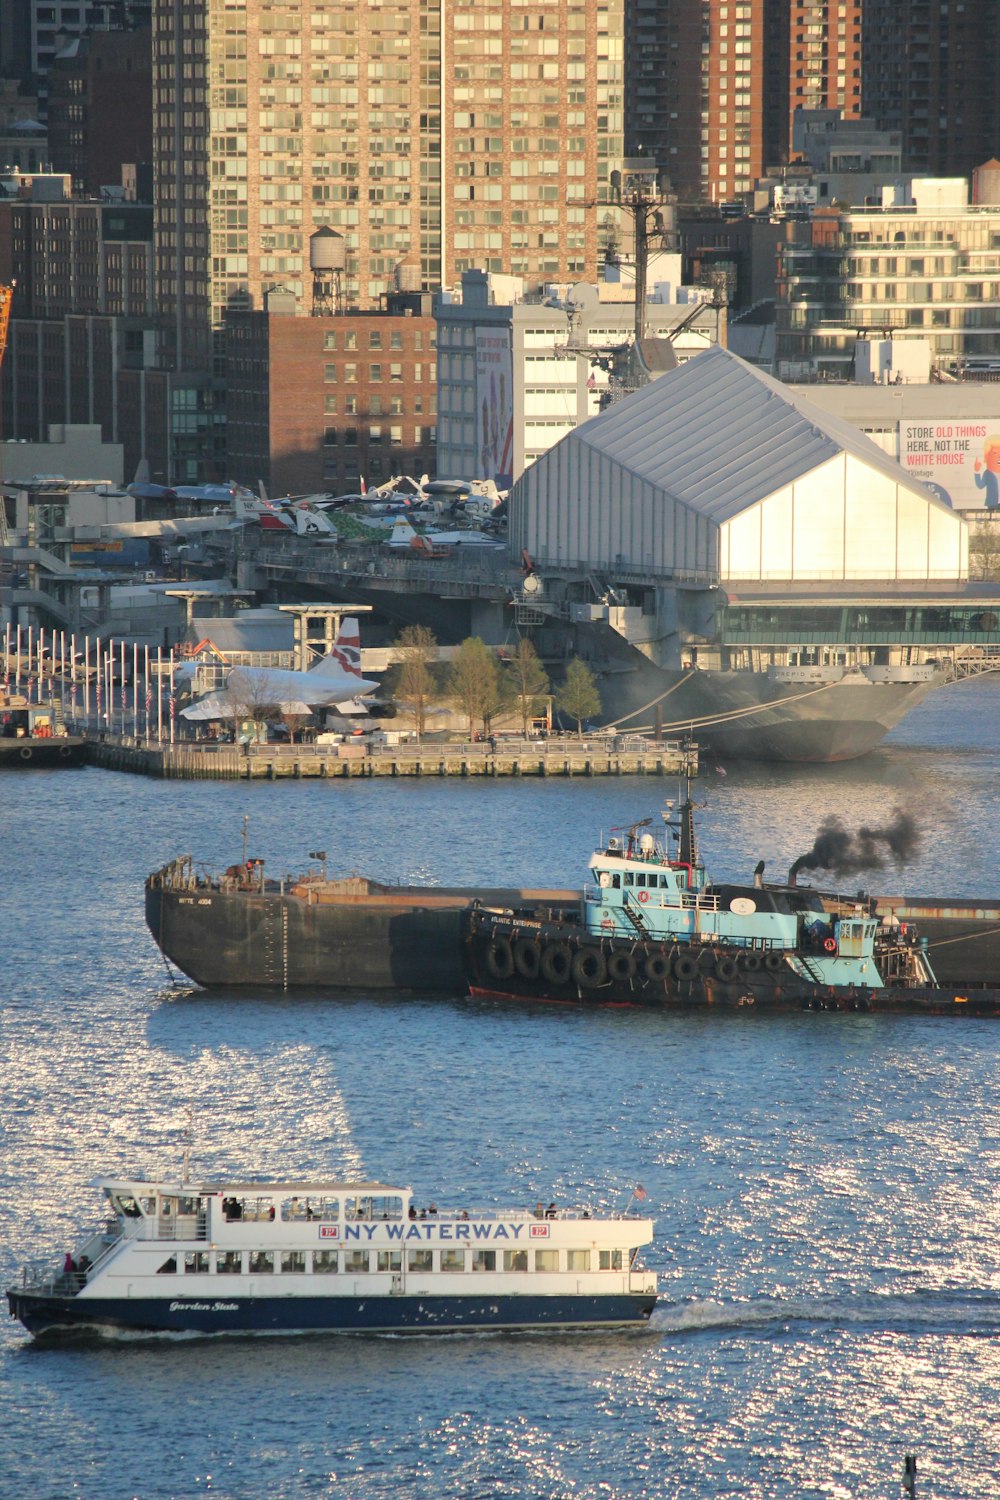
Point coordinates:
pixel 50 1317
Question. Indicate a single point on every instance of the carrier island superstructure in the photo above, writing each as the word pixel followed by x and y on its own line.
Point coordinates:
pixel 728 558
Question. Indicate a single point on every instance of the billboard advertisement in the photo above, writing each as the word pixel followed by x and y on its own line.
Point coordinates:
pixel 494 406
pixel 959 459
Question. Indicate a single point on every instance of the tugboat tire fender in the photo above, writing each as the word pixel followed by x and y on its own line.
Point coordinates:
pixel 25 753
pixel 556 963
pixel 725 967
pixel 589 968
pixel 751 962
pixel 656 968
pixel 621 966
pixel 527 957
pixel 500 958
pixel 773 962
pixel 686 967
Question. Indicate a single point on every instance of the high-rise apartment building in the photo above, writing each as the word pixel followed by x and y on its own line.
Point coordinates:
pixel 444 134
pixel 825 56
pixel 708 91
pixel 930 71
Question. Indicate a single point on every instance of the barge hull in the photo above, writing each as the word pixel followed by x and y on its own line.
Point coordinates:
pixel 409 940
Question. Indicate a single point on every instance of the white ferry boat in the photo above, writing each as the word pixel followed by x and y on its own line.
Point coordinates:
pixel 352 1257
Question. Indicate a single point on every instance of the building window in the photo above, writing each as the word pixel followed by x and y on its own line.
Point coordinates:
pixel 375 339
pixel 330 373
pixel 375 374
pixel 396 372
pixel 330 437
pixel 351 374
pixel 329 341
pixel 330 405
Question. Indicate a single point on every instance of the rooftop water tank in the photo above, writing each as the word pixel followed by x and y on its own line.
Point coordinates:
pixel 327 250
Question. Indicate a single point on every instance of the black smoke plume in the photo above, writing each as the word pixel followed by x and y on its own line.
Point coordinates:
pixel 844 853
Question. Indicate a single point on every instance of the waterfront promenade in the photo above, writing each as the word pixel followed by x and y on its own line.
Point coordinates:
pixel 563 756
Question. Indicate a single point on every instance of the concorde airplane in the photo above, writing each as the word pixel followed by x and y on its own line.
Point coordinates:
pixel 335 680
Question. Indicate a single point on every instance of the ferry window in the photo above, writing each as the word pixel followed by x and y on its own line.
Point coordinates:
pixel 610 1260
pixel 195 1262
pixel 546 1260
pixel 515 1260
pixel 261 1262
pixel 578 1260
pixel 627 878
pixel 453 1260
pixel 355 1260
pixel 380 1206
pixel 420 1260
pixel 148 1206
pixel 307 1208
pixel 229 1262
pixel 169 1267
pixel 128 1207
pixel 187 1206
pixel 325 1262
pixel 390 1260
pixel 293 1261
pixel 484 1260
pixel 616 881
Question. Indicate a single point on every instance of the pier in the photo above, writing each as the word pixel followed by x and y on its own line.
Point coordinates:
pixel 598 756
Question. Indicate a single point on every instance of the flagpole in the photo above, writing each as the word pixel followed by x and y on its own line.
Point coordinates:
pixel 159 695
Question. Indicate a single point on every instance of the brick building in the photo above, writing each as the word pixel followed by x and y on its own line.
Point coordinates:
pixel 319 403
pixel 101 107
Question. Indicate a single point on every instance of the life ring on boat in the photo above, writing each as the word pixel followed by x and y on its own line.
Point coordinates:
pixel 830 945
pixel 751 962
pixel 686 967
pixel 589 968
pixel 725 967
pixel 773 962
pixel 500 958
pixel 621 967
pixel 527 958
pixel 26 753
pixel 643 897
pixel 656 968
pixel 556 963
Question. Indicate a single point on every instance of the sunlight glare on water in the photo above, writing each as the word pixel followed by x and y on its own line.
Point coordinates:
pixel 824 1187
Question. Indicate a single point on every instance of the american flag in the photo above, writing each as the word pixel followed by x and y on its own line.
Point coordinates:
pixel 639 1193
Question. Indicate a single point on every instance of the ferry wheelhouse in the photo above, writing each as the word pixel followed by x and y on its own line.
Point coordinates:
pixel 292 1257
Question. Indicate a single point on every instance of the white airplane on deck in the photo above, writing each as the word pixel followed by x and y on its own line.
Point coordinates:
pixel 404 534
pixel 335 681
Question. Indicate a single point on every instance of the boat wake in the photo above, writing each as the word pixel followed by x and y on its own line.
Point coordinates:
pixel 966 1313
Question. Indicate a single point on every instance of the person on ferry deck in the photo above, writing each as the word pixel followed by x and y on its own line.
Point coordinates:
pixel 550 1212
pixel 413 1212
pixel 539 1209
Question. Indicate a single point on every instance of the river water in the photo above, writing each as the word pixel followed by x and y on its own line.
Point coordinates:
pixel 824 1186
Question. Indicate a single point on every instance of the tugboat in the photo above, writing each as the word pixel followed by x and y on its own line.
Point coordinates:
pixel 349 1257
pixel 652 930
pixel 33 735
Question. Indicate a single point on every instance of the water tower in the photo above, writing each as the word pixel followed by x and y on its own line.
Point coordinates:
pixel 327 261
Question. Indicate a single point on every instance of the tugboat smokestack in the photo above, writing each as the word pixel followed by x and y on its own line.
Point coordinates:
pixel 758 875
pixel 793 872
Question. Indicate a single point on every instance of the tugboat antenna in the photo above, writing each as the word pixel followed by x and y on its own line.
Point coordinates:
pixel 246 825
